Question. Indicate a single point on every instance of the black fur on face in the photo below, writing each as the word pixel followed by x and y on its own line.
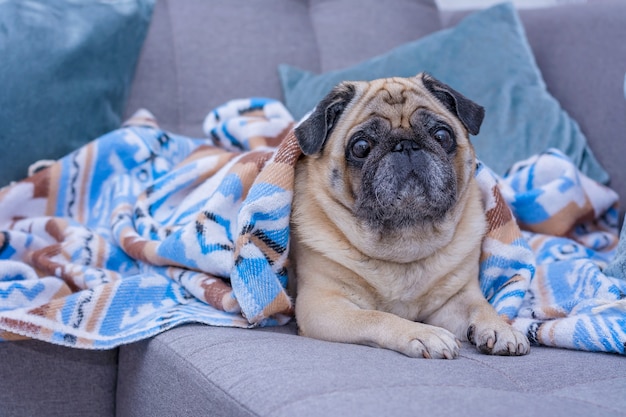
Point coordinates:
pixel 313 132
pixel 407 175
pixel 468 112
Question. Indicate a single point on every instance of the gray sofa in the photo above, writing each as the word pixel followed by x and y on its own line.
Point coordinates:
pixel 201 53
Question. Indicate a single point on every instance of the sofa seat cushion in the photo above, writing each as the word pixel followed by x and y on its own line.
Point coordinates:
pixel 196 370
pixel 40 379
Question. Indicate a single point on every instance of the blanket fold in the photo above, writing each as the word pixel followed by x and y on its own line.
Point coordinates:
pixel 143 230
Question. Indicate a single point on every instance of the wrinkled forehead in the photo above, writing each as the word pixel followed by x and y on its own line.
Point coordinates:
pixel 399 101
pixel 395 99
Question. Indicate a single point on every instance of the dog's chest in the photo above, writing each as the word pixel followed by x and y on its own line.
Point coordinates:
pixel 412 291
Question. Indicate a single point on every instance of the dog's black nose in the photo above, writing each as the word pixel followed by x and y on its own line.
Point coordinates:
pixel 406 145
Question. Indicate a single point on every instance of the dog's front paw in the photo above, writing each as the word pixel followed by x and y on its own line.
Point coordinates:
pixel 498 340
pixel 430 342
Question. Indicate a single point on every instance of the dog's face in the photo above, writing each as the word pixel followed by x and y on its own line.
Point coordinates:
pixel 394 151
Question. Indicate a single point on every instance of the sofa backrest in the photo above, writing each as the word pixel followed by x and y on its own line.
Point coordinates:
pixel 201 53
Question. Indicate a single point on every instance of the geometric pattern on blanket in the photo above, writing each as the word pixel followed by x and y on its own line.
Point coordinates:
pixel 142 230
pixel 571 224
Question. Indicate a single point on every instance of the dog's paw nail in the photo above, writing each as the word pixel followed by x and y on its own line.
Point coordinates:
pixel 490 343
pixel 447 354
pixel 458 343
pixel 426 355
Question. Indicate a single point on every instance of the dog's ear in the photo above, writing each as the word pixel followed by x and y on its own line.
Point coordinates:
pixel 313 132
pixel 468 112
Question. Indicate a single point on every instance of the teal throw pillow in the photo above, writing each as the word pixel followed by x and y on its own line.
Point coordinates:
pixel 487 58
pixel 65 71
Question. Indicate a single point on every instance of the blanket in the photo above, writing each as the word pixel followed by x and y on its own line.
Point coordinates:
pixel 143 230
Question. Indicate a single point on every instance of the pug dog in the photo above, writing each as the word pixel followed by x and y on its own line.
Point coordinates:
pixel 388 222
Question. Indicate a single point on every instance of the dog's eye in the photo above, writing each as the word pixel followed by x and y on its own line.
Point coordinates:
pixel 444 137
pixel 361 148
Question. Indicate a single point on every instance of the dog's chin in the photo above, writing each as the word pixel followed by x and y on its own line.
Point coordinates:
pixel 395 195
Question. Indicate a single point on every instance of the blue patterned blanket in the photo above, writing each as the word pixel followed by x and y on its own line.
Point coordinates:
pixel 143 230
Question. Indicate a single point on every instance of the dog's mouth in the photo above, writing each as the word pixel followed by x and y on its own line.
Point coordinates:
pixel 406 187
